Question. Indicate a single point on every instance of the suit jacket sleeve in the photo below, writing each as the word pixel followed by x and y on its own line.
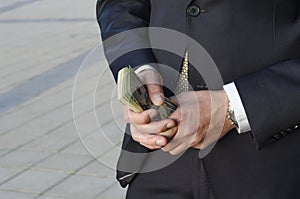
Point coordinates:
pixel 114 17
pixel 271 98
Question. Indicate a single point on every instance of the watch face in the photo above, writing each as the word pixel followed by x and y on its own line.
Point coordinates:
pixel 232 117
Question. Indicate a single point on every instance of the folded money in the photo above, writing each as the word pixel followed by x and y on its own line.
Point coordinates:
pixel 133 94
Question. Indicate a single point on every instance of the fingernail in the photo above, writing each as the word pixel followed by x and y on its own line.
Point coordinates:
pixel 170 125
pixel 160 142
pixel 158 99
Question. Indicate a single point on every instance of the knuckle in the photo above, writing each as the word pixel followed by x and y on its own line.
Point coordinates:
pixel 158 128
pixel 144 118
pixel 174 130
pixel 165 149
pixel 177 151
pixel 196 141
pixel 200 147
pixel 203 146
pixel 135 138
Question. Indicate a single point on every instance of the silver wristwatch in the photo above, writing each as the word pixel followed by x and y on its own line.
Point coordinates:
pixel 231 116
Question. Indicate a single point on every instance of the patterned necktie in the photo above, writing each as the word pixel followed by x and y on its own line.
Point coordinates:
pixel 183 83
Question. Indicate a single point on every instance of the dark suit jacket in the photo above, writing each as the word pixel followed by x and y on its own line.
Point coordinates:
pixel 254 43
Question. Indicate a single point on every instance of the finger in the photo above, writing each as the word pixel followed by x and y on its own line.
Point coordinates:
pixel 152 147
pixel 170 133
pixel 155 127
pixel 150 77
pixel 176 115
pixel 156 94
pixel 178 150
pixel 171 145
pixel 175 147
pixel 139 118
pixel 179 140
pixel 152 141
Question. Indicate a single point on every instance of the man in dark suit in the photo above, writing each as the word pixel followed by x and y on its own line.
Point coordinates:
pixel 256 47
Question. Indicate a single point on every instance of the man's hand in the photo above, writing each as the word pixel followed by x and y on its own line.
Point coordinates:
pixel 152 135
pixel 201 119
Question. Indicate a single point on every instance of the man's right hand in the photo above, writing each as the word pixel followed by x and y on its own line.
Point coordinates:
pixel 151 134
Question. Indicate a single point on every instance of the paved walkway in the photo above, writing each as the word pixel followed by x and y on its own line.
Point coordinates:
pixel 46 149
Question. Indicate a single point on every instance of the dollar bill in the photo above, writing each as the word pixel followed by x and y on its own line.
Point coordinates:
pixel 133 94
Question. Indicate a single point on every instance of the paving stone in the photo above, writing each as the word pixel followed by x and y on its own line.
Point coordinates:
pixel 33 110
pixel 98 169
pixel 22 159
pixel 64 162
pixel 41 30
pixel 46 8
pixel 96 144
pixel 47 122
pixel 14 75
pixel 110 133
pixel 114 131
pixel 55 197
pixel 96 68
pixel 34 41
pixel 54 141
pixel 15 195
pixel 11 140
pixel 3 151
pixel 110 158
pixel 5 3
pixel 82 186
pixel 85 124
pixel 6 173
pixel 34 181
pixel 76 149
pixel 87 104
pixel 102 118
pixel 49 101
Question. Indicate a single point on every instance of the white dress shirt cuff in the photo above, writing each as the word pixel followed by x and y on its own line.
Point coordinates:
pixel 238 108
pixel 144 67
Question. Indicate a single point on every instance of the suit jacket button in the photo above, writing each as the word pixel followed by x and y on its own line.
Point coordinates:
pixel 296 126
pixel 193 11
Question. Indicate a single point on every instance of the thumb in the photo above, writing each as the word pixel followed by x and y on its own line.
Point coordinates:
pixel 156 94
pixel 153 80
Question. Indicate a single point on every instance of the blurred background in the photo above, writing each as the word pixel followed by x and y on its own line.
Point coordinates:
pixel 60 127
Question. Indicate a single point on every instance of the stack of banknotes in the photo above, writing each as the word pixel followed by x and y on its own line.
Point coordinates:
pixel 133 94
